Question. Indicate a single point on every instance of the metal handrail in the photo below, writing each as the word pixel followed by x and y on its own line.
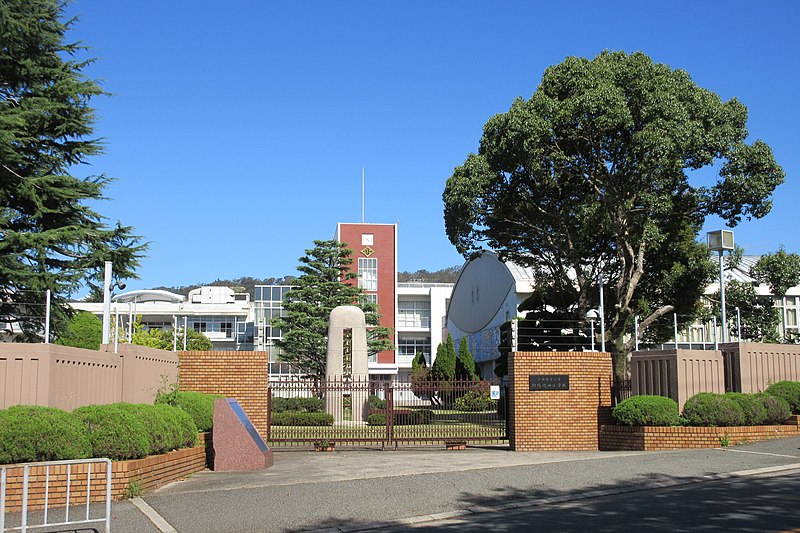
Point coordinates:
pixel 48 464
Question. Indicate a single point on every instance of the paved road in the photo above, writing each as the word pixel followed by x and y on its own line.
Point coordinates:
pixel 359 490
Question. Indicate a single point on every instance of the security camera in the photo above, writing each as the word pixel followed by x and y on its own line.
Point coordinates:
pixel 121 286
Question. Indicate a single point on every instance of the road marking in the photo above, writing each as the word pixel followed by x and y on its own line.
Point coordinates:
pixel 757 453
pixel 154 517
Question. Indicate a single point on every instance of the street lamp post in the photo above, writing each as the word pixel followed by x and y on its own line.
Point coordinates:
pixel 719 241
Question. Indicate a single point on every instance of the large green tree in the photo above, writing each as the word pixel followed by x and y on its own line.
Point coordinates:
pixel 49 236
pixel 84 330
pixel 326 282
pixel 165 339
pixel 591 176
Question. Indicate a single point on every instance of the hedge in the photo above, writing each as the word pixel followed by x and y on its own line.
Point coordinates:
pixel 115 431
pixel 306 405
pixel 646 411
pixel 777 409
pixel 375 403
pixel 753 408
pixel 405 417
pixel 30 433
pixel 709 409
pixel 169 427
pixel 475 401
pixel 789 391
pixel 199 405
pixel 299 418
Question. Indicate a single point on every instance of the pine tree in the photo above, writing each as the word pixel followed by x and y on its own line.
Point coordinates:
pixel 466 364
pixel 322 286
pixel 444 367
pixel 49 237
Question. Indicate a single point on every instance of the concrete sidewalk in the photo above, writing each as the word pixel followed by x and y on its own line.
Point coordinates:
pixel 356 490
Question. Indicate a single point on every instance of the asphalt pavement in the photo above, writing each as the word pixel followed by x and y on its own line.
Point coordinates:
pixel 754 487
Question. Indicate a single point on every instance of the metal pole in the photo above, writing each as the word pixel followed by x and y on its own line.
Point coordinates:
pixel 107 303
pixel 636 332
pixel 130 322
pixel 174 333
pixel 675 328
pixel 716 344
pixel 592 324
pixel 184 334
pixel 116 331
pixel 602 318
pixel 47 316
pixel 722 298
pixel 738 325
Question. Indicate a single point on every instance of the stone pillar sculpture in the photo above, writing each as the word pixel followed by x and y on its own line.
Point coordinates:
pixel 347 318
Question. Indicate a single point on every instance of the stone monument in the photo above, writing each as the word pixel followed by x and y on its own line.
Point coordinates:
pixel 347 362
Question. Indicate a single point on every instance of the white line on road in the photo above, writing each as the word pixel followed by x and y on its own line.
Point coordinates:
pixel 757 453
pixel 154 517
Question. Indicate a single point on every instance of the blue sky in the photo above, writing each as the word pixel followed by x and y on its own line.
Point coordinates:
pixel 237 131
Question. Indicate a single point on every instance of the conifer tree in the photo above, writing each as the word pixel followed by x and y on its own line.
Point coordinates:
pixel 466 363
pixel 322 286
pixel 49 236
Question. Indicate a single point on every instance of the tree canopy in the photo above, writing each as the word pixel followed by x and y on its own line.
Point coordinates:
pixel 321 287
pixel 591 176
pixel 49 236
pixel 84 330
pixel 164 339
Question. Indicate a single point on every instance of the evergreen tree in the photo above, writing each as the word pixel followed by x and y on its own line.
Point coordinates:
pixel 49 236
pixel 444 367
pixel 466 364
pixel 84 330
pixel 322 286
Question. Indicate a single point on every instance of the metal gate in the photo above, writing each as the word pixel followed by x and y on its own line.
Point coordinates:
pixel 393 413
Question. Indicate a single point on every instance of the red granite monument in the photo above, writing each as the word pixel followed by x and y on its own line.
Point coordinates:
pixel 237 444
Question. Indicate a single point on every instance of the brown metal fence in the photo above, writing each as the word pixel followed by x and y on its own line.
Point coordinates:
pixel 364 412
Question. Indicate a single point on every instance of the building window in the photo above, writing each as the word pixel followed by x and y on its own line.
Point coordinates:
pixel 413 314
pixel 368 273
pixel 226 328
pixel 408 347
pixel 369 298
pixel 367 239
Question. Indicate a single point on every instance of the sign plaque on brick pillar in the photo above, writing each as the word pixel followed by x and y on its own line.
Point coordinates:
pixel 558 400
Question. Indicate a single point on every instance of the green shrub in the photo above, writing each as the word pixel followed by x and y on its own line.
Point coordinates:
pixel 376 404
pixel 376 419
pixel 752 407
pixel 169 427
pixel 709 409
pixel 789 391
pixel 31 433
pixel 299 418
pixel 777 409
pixel 475 401
pixel 646 411
pixel 306 405
pixel 199 405
pixel 114 431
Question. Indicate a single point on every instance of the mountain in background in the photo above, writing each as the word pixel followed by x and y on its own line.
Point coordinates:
pixel 247 284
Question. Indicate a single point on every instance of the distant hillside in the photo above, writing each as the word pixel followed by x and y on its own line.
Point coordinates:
pixel 445 275
pixel 240 285
pixel 247 284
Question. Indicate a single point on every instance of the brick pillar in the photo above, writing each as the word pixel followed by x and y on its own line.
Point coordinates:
pixel 558 419
pixel 240 375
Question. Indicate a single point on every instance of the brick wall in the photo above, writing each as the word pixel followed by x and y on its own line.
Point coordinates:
pixel 240 375
pixel 559 420
pixel 149 473
pixel 675 438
